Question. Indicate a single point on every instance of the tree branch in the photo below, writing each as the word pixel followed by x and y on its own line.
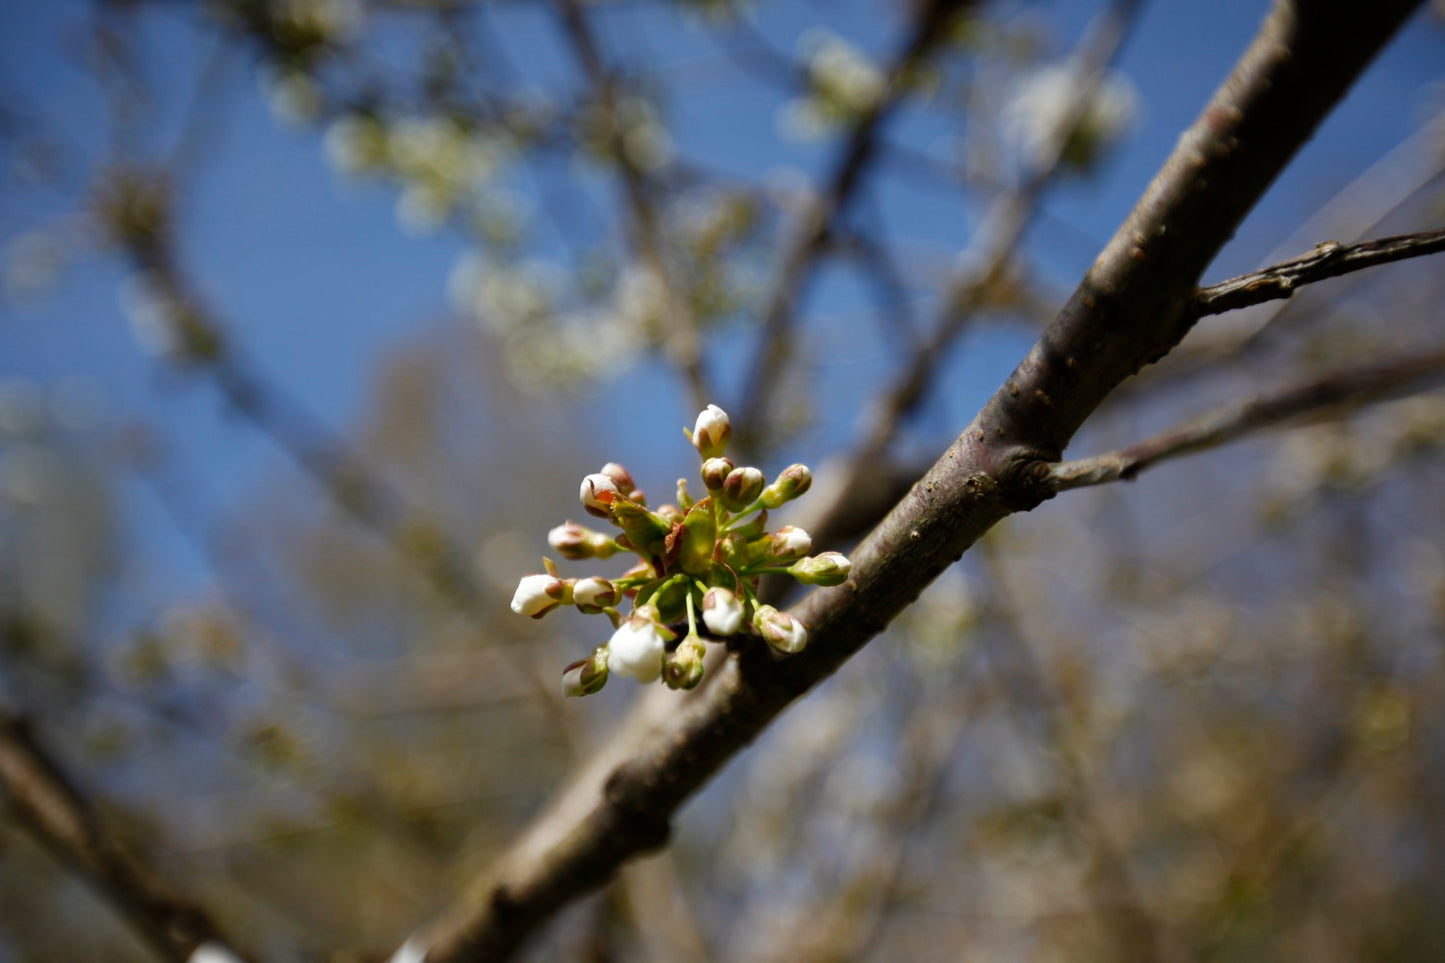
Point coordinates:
pixel 1133 306
pixel 991 257
pixel 46 804
pixel 1329 259
pixel 1340 391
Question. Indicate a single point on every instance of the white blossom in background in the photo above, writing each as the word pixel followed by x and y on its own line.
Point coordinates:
pixel 844 83
pixel 292 95
pixel 1041 104
pixel 640 299
pixel 355 144
pixel 155 316
pixel 331 21
pixel 644 137
pixel 504 297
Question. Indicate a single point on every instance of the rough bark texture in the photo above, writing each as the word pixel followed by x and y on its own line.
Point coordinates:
pixel 1134 305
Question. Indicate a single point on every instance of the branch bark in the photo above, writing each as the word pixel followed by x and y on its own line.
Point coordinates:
pixel 1340 390
pixel 48 806
pixel 1329 259
pixel 1132 307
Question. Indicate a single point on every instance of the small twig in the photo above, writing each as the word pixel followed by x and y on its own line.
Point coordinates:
pixel 1340 391
pixel 809 237
pixel 47 805
pixel 681 336
pixel 1327 260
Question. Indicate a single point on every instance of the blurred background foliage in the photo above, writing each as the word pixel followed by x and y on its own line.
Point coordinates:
pixel 1195 717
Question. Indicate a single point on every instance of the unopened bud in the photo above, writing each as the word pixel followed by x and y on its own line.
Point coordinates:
pixel 599 492
pixel 714 472
pixel 586 676
pixel 741 488
pixel 710 434
pixel 722 611
pixel 620 477
pixel 577 542
pixel 794 481
pixel 790 542
pixel 682 669
pixel 537 595
pixel 780 630
pixel 830 568
pixel 637 647
pixel 593 594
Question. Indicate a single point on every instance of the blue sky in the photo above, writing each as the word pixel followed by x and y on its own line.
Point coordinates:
pixel 318 284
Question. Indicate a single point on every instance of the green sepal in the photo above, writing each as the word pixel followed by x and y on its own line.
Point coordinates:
pixel 699 535
pixel 646 531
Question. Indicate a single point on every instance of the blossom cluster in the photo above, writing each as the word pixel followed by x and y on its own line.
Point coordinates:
pixel 702 556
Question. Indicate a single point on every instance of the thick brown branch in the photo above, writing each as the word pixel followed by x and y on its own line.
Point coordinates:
pixel 46 805
pixel 1338 392
pixel 1131 309
pixel 1328 260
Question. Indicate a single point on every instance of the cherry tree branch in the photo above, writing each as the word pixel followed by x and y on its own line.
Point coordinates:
pixel 46 804
pixel 1327 260
pixel 1338 392
pixel 1131 309
pixel 991 256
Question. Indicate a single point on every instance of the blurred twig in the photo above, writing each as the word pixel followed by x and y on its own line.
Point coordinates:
pixel 46 803
pixel 808 238
pixel 1335 393
pixel 680 336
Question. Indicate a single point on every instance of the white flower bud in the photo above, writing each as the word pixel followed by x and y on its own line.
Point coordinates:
pixel 780 630
pixel 722 611
pixel 791 542
pixel 538 594
pixel 636 649
pixel 710 434
pixel 577 542
pixel 592 594
pixel 830 568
